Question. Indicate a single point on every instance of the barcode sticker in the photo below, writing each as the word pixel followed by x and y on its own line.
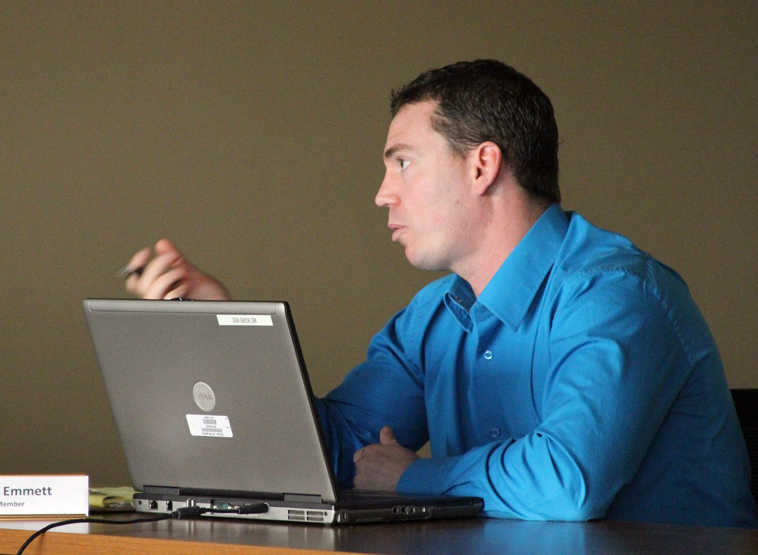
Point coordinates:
pixel 209 425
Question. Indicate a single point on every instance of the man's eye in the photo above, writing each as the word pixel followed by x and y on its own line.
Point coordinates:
pixel 403 164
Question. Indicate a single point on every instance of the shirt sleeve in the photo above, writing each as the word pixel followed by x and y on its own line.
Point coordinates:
pixel 385 390
pixel 613 374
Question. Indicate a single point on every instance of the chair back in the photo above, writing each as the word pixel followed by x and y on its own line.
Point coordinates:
pixel 746 403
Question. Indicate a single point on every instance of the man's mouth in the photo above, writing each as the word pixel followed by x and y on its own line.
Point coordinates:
pixel 396 229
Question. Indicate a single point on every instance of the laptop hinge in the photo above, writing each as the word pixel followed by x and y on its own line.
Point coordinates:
pixel 161 490
pixel 301 498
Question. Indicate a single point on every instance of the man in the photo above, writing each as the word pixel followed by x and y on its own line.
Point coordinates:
pixel 558 372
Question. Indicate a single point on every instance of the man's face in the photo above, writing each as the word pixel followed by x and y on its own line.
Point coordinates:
pixel 425 189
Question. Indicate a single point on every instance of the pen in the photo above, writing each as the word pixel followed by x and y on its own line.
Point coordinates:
pixel 126 271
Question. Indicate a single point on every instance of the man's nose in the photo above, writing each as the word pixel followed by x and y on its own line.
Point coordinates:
pixel 385 196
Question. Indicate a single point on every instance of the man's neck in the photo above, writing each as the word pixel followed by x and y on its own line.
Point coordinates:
pixel 506 226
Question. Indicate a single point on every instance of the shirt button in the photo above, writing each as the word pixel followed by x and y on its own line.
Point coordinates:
pixel 488 355
pixel 495 432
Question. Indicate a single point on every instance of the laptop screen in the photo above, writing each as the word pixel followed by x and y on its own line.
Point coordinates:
pixel 210 395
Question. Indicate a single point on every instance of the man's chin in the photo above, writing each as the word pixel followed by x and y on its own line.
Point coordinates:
pixel 423 263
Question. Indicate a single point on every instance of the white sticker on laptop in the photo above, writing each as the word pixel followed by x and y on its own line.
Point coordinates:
pixel 209 425
pixel 244 320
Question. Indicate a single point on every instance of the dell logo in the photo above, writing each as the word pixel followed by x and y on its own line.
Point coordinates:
pixel 204 397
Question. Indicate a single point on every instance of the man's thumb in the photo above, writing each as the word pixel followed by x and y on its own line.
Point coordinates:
pixel 387 436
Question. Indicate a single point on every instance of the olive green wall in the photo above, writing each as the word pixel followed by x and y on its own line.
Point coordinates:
pixel 251 134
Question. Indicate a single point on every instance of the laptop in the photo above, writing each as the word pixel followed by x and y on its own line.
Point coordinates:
pixel 215 411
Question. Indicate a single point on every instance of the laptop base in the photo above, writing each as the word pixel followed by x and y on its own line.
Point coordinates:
pixel 375 509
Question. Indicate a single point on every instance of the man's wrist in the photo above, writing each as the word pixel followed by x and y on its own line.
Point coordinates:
pixel 426 475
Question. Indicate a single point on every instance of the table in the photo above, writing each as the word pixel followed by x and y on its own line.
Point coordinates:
pixel 475 535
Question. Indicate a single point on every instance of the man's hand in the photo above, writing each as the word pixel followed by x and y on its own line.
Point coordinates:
pixel 164 273
pixel 380 465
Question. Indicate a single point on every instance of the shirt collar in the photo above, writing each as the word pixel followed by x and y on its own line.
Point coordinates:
pixel 458 300
pixel 511 290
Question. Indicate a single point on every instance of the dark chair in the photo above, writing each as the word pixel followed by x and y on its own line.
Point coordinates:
pixel 746 402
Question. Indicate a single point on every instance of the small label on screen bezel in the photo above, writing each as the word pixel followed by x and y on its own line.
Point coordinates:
pixel 244 320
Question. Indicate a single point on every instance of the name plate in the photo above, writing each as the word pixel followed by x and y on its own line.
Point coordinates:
pixel 44 496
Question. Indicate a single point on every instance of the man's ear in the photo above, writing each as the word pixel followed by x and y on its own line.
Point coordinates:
pixel 485 159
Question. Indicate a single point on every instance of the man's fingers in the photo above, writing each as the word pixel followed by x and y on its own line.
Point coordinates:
pixel 139 259
pixel 133 269
pixel 380 466
pixel 165 283
pixel 162 272
pixel 153 271
pixel 164 246
pixel 180 290
pixel 386 437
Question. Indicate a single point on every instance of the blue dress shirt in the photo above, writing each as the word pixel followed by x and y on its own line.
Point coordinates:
pixel 582 383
